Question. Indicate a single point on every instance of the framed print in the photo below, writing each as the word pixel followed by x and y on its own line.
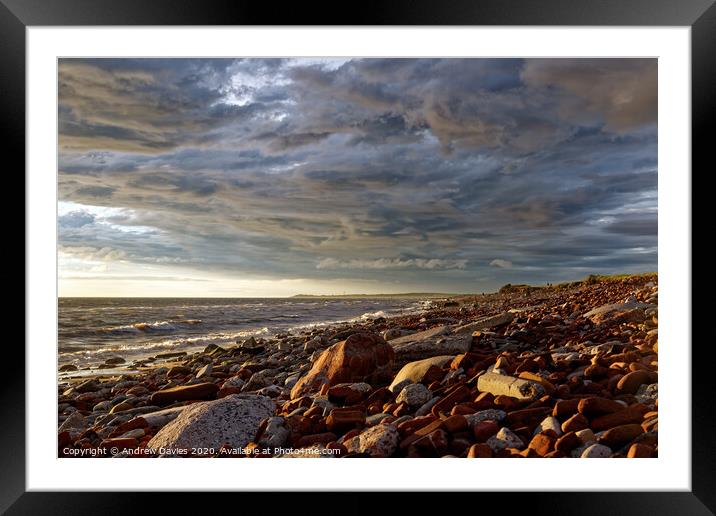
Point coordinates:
pixel 416 235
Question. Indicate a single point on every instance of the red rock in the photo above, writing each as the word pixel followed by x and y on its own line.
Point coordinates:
pixel 429 428
pixel 118 443
pixel 486 400
pixel 527 417
pixel 463 409
pixel 402 409
pixel 362 357
pixel 309 440
pixel 132 424
pixel 633 414
pixel 455 424
pixel 630 383
pixel 435 442
pixel 640 451
pixel 542 444
pixel 650 425
pixel 63 439
pixel 459 394
pixel 483 430
pixel 575 423
pixel 506 403
pixel 410 426
pixel 594 406
pixel 226 391
pixel 198 391
pixel 620 435
pixel 567 442
pixel 479 451
pixel 342 420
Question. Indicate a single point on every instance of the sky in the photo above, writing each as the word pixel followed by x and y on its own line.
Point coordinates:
pixel 274 177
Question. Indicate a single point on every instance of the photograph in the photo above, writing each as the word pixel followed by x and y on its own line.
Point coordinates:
pixel 324 257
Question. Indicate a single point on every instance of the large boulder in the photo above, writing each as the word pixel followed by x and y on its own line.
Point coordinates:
pixel 233 420
pixel 415 371
pixel 619 313
pixel 362 357
pixel 435 341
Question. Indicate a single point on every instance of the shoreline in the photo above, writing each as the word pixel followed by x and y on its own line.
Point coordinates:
pixel 334 387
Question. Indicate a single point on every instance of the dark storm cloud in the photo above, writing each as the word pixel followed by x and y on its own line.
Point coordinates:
pixel 441 171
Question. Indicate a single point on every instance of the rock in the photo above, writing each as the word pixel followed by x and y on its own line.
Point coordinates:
pixel 415 371
pixel 362 357
pixel 630 383
pixel 596 451
pixel 505 438
pixel 233 420
pixel 102 406
pixel 618 313
pixel 68 367
pixel 159 418
pixel 75 424
pixel 376 419
pixel 485 323
pixel 377 441
pixel 648 394
pixel 205 371
pixel 415 395
pixel 549 423
pixel 114 361
pixel 234 382
pixel 119 407
pixel 198 391
pixel 178 371
pixel 479 451
pixel 485 415
pixel 88 386
pixel 392 333
pixel 275 434
pixel 425 409
pixel 519 388
pixel 434 342
pixel 586 436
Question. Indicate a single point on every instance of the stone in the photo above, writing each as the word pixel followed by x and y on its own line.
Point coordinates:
pixel 205 371
pixel 415 395
pixel 391 334
pixel 632 414
pixel 178 371
pixel 648 394
pixel 425 409
pixel 340 420
pixel 630 383
pixel 549 423
pixel 275 433
pixel 575 423
pixel 159 418
pixel 88 386
pixel 596 451
pixel 640 451
pixel 485 415
pixel 415 371
pixel 618 313
pixel 375 419
pixel 198 391
pixel 74 424
pixel 542 444
pixel 518 388
pixel 377 441
pixel 586 436
pixel 505 438
pixel 119 407
pixel 68 367
pixel 362 357
pixel 592 407
pixel 430 343
pixel 233 420
pixel 483 430
pixel 479 451
pixel 485 323
pixel 620 435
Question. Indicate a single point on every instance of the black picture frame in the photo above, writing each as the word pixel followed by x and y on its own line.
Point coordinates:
pixel 700 15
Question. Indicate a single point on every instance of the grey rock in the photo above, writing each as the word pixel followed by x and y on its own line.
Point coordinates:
pixel 276 434
pixel 415 395
pixel 485 415
pixel 596 451
pixel 377 441
pixel 509 386
pixel 505 438
pixel 233 420
pixel 485 322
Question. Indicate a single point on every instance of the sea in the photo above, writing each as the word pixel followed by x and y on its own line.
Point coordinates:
pixel 94 329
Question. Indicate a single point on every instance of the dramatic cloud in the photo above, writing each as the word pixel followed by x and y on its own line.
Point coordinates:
pixel 413 172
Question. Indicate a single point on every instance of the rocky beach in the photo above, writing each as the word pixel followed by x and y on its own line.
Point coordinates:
pixel 567 370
